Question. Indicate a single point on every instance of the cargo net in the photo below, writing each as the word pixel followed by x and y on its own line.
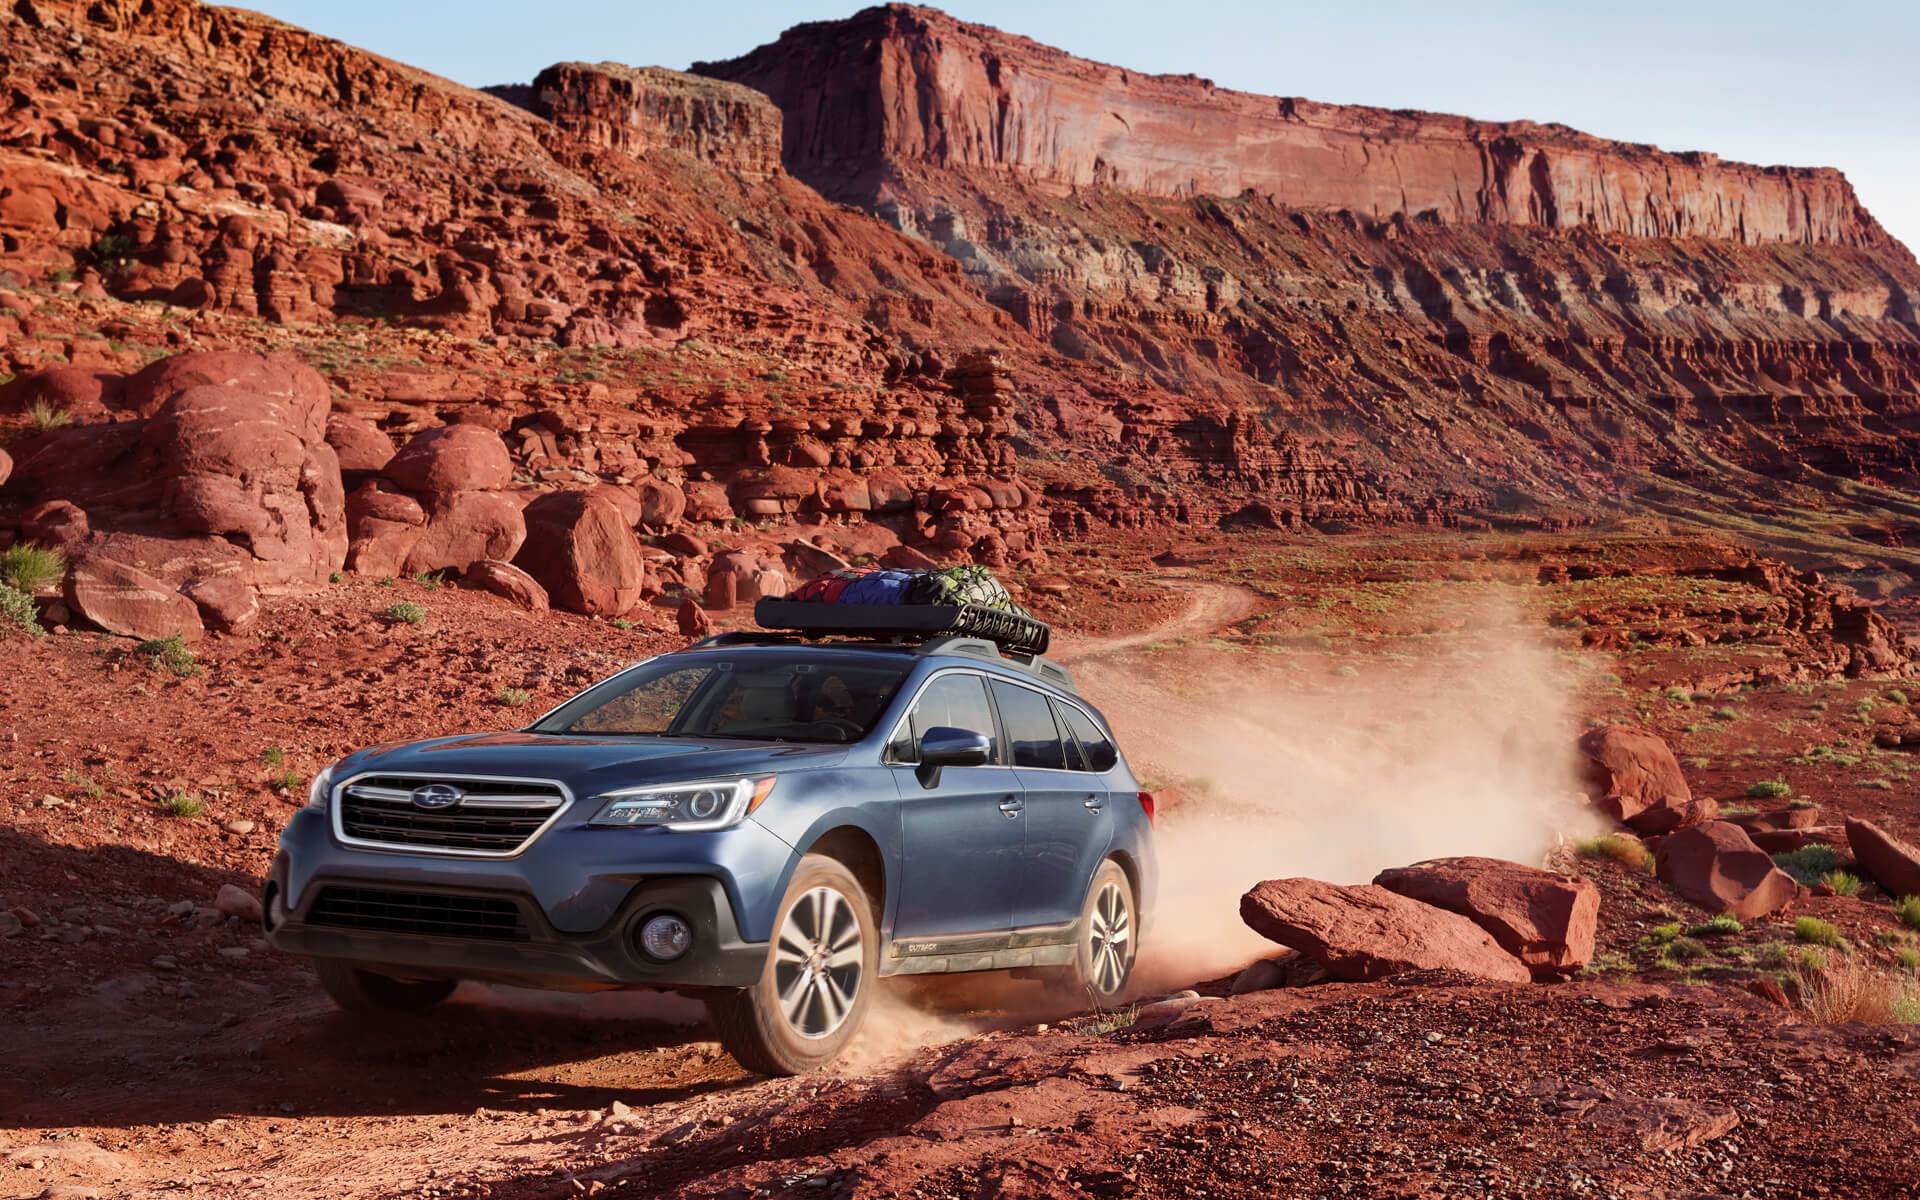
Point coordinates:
pixel 964 601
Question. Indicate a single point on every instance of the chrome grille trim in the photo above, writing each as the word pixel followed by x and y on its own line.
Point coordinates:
pixel 497 796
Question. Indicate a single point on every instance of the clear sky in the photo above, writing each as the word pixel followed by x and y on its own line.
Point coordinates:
pixel 1766 81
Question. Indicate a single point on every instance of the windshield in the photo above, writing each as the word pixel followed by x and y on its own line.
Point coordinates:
pixel 759 697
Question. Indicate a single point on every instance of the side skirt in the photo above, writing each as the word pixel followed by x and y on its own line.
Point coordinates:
pixel 1034 946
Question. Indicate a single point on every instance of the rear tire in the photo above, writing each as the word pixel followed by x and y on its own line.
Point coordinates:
pixel 1107 941
pixel 821 970
pixel 359 990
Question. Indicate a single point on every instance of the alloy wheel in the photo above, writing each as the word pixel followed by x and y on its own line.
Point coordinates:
pixel 1110 939
pixel 817 963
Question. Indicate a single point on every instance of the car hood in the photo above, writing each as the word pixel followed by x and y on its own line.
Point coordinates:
pixel 587 765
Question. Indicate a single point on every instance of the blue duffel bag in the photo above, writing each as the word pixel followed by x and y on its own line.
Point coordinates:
pixel 878 587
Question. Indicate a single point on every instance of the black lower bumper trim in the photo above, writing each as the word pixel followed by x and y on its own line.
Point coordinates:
pixel 529 951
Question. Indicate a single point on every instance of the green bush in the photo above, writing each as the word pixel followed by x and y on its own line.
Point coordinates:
pixel 1686 949
pixel 405 612
pixel 1808 864
pixel 169 654
pixel 182 804
pixel 1815 932
pixel 273 756
pixel 1769 789
pixel 29 568
pixel 1843 883
pixel 1907 908
pixel 17 612
pixel 1720 926
pixel 1908 958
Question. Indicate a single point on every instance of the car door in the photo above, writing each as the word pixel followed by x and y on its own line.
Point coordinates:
pixel 1067 823
pixel 962 840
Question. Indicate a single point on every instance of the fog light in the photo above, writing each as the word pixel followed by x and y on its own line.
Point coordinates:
pixel 665 937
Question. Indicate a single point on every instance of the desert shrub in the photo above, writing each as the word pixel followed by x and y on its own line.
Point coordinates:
pixel 1625 849
pixel 405 612
pixel 429 580
pixel 1686 949
pixel 1772 954
pixel 17 613
pixel 1878 785
pixel 1726 714
pixel 1907 908
pixel 1769 789
pixel 1809 863
pixel 42 417
pixel 169 654
pixel 1815 932
pixel 1843 883
pixel 1721 926
pixel 1854 990
pixel 273 756
pixel 1663 935
pixel 513 697
pixel 285 781
pixel 1679 695
pixel 182 804
pixel 28 568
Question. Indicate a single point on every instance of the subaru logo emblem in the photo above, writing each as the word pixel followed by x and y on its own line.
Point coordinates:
pixel 437 795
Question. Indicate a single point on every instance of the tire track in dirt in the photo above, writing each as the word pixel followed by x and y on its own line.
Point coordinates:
pixel 1213 606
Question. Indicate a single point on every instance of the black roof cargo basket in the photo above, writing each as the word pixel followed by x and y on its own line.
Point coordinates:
pixel 1016 633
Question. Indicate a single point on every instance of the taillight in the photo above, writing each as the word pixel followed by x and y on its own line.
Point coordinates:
pixel 1146 805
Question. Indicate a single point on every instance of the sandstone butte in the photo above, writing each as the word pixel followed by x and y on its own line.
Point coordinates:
pixel 908 276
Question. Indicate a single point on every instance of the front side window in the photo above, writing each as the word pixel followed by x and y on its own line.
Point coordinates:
pixel 955 701
pixel 747 697
pixel 1030 729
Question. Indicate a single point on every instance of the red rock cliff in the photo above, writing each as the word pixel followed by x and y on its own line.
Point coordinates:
pixel 905 85
pixel 638 109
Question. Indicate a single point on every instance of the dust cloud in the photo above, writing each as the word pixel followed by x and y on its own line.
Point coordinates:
pixel 1282 772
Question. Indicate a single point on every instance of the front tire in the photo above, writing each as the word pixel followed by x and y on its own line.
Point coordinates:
pixel 821 970
pixel 1108 941
pixel 359 990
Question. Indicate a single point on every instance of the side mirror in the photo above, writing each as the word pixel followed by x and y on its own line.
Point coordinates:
pixel 945 746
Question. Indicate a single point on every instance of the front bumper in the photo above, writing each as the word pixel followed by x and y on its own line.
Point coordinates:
pixel 580 897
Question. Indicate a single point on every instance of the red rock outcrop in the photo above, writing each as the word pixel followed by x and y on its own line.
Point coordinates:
pixel 1717 866
pixel 1546 920
pixel 1366 933
pixel 1633 777
pixel 641 109
pixel 899 86
pixel 1888 861
pixel 583 553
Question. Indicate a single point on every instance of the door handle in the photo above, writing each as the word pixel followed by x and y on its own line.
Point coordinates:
pixel 1012 806
pixel 1094 803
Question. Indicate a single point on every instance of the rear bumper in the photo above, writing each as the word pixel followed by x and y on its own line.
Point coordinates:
pixel 535 954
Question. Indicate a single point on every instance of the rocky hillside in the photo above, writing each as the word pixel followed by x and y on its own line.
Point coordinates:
pixel 1499 320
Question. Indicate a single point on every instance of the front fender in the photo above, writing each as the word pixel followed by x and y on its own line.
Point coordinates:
pixel 809 805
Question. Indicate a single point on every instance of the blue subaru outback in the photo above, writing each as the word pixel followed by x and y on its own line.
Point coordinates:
pixel 772 822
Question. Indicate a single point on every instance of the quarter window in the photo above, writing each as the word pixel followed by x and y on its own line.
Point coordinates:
pixel 1100 753
pixel 1030 729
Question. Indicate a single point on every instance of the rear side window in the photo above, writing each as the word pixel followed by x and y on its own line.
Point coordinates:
pixel 1100 753
pixel 1030 728
pixel 956 701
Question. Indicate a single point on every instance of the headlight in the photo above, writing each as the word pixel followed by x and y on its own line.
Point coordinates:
pixel 687 807
pixel 321 789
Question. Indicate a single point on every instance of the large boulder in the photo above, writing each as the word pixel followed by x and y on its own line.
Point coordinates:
pixel 1717 866
pixel 359 443
pixel 508 582
pixel 1633 777
pixel 1365 933
pixel 279 377
pixel 127 600
pixel 452 458
pixel 1546 920
pixel 81 393
pixel 661 503
pixel 1888 861
pixel 384 526
pixel 584 554
pixel 464 528
pixel 742 577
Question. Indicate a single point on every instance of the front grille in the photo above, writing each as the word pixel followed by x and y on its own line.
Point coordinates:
pixel 491 817
pixel 418 912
